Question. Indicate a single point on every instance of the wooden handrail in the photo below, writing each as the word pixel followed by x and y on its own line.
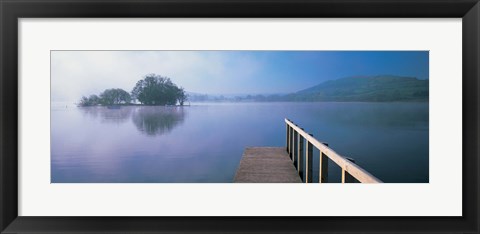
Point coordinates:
pixel 347 166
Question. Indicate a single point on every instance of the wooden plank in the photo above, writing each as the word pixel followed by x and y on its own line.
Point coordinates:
pixel 266 165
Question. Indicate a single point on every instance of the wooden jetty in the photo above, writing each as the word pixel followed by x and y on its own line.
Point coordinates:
pixel 293 163
pixel 266 165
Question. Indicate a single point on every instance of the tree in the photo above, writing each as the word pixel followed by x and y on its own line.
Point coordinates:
pixel 84 102
pixel 92 100
pixel 158 90
pixel 114 97
pixel 181 96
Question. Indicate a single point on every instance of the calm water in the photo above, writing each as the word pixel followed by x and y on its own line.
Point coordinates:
pixel 204 142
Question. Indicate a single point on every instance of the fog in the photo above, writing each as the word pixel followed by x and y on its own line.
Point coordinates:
pixel 80 73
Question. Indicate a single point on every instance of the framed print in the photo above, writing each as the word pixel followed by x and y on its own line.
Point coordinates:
pixel 252 116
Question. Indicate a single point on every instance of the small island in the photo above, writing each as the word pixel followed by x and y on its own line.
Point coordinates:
pixel 153 90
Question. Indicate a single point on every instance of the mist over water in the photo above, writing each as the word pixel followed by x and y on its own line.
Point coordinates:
pixel 205 142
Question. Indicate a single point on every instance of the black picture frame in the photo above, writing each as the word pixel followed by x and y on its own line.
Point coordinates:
pixel 12 10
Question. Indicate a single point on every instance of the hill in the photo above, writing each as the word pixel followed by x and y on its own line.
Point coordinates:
pixel 383 88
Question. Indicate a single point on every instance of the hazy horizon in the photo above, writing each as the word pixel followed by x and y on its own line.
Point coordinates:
pixel 80 73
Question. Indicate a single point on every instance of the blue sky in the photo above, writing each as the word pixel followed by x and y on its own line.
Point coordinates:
pixel 78 73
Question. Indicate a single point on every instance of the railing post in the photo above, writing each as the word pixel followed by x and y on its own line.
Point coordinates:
pixel 288 138
pixel 309 162
pixel 346 177
pixel 291 142
pixel 323 171
pixel 295 146
pixel 299 155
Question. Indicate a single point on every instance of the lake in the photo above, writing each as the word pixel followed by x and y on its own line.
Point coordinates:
pixel 204 142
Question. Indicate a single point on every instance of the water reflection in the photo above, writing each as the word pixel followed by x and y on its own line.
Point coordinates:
pixel 389 140
pixel 154 121
pixel 106 115
pixel 402 115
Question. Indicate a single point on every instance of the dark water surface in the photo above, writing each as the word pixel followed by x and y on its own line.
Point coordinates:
pixel 205 142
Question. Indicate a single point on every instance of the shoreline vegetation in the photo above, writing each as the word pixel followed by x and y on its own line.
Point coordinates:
pixel 155 90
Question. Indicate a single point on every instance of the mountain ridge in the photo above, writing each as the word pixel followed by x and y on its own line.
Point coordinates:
pixel 378 88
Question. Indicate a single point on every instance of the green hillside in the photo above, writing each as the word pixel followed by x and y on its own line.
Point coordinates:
pixel 366 88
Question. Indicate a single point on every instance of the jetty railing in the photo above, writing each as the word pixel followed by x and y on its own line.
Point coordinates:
pixel 296 138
